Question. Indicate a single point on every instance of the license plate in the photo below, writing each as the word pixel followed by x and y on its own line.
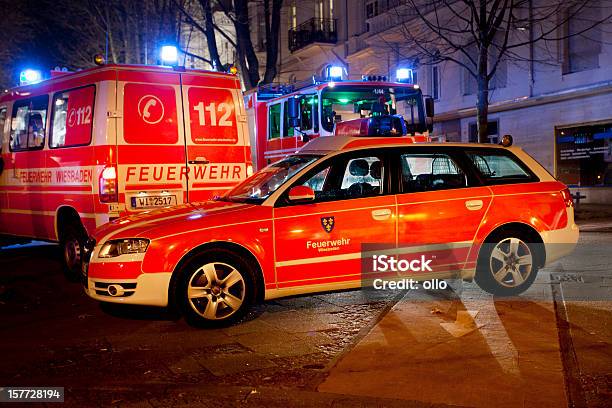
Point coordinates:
pixel 153 201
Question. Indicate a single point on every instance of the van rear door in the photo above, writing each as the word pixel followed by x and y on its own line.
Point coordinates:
pixel 151 140
pixel 217 143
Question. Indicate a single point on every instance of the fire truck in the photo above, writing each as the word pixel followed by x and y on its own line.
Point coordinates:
pixel 82 148
pixel 283 117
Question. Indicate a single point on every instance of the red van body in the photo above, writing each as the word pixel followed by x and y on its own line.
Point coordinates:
pixel 83 148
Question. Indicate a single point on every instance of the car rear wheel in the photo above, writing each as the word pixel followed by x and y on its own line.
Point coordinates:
pixel 72 241
pixel 216 288
pixel 508 263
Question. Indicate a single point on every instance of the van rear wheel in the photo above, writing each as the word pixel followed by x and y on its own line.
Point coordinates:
pixel 72 242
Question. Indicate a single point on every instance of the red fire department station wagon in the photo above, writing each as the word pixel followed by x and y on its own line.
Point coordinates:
pixel 299 226
pixel 83 148
pixel 279 129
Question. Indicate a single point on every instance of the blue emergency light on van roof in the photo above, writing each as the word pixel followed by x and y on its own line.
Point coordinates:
pixel 403 75
pixel 30 76
pixel 335 72
pixel 169 55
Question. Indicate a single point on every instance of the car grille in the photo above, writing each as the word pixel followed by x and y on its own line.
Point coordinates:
pixel 101 288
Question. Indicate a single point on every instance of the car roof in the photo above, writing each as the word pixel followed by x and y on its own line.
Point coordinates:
pixel 328 144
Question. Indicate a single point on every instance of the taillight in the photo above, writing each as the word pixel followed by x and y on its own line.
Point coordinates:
pixel 567 198
pixel 108 185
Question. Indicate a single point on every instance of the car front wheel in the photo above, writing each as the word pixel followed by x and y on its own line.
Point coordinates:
pixel 508 263
pixel 215 288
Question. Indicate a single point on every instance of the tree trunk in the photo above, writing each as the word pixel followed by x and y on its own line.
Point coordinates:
pixel 211 39
pixel 246 53
pixel 272 38
pixel 482 100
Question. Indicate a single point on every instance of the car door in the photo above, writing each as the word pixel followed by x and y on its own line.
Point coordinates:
pixel 440 207
pixel 320 243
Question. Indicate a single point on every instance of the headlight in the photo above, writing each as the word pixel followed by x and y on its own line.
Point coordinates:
pixel 118 247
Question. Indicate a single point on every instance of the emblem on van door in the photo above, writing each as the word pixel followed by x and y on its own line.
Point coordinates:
pixel 327 223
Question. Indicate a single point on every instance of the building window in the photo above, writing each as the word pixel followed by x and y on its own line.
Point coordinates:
pixel 582 45
pixel 293 16
pixel 435 82
pixel 584 155
pixel 371 9
pixel 492 131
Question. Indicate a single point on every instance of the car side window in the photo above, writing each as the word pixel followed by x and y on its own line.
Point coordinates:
pixel 430 172
pixel 499 167
pixel 317 182
pixel 357 177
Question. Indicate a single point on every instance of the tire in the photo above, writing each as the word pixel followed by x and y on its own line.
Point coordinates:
pixel 72 242
pixel 508 263
pixel 203 294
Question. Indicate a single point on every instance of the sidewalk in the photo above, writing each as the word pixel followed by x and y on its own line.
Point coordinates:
pixel 467 351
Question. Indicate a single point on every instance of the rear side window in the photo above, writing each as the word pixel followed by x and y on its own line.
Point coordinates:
pixel 72 117
pixel 500 167
pixel 28 124
pixel 430 172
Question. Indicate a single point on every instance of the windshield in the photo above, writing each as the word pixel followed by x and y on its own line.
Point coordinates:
pixel 361 101
pixel 260 185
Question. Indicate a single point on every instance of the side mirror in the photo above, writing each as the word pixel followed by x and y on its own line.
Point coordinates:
pixel 429 107
pixel 293 111
pixel 301 194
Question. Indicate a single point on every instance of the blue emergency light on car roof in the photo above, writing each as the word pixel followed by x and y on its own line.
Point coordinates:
pixel 404 75
pixel 30 76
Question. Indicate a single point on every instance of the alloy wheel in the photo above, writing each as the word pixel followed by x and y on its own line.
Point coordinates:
pixel 216 291
pixel 511 262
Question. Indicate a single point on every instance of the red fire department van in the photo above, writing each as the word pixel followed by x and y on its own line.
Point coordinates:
pixel 282 118
pixel 83 148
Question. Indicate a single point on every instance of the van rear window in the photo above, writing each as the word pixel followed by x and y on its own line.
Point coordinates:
pixel 72 117
pixel 500 167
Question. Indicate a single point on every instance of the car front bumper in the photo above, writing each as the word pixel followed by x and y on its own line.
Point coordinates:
pixel 150 289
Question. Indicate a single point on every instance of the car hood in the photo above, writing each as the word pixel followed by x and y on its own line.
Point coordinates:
pixel 151 224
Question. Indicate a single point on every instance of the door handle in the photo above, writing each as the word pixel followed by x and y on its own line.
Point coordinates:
pixel 382 214
pixel 199 160
pixel 473 205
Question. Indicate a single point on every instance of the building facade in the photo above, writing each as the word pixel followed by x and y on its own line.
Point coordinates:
pixel 556 104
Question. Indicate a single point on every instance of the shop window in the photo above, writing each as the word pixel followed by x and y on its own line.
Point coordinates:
pixel 584 155
pixel 28 124
pixel 72 117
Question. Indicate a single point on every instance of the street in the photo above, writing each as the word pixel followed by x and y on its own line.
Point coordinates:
pixel 357 347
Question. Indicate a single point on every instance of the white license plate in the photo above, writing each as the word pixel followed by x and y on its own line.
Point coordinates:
pixel 153 201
